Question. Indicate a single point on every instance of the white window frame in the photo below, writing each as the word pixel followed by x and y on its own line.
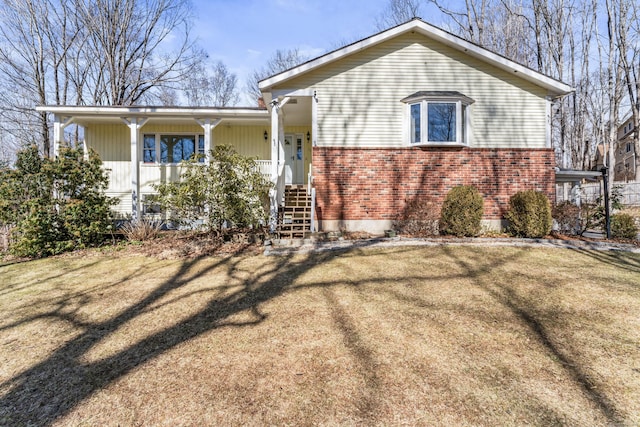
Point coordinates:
pixel 158 136
pixel 463 121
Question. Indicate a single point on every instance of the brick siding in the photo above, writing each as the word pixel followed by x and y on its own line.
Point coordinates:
pixel 377 183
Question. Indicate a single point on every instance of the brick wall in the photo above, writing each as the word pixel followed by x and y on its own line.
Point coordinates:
pixel 376 183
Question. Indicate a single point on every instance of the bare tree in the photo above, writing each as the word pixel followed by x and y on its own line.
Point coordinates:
pixel 555 37
pixel 29 63
pixel 470 20
pixel 627 37
pixel 224 86
pixel 105 52
pixel 280 61
pixel 210 85
pixel 125 41
pixel 397 12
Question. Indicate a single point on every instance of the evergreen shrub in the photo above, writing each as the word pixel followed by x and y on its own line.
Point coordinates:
pixel 529 214
pixel 462 212
pixel 623 226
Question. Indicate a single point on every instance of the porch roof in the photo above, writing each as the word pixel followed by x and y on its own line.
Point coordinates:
pixel 570 175
pixel 92 114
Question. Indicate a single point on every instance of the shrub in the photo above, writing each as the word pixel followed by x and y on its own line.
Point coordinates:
pixel 228 191
pixel 56 205
pixel 529 214
pixel 462 212
pixel 419 219
pixel 567 216
pixel 141 230
pixel 623 226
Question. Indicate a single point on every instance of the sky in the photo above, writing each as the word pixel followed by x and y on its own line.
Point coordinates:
pixel 245 33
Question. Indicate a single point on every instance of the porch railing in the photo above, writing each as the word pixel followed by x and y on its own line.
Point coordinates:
pixel 264 167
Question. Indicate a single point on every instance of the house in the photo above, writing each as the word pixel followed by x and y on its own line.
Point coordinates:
pixel 625 168
pixel 407 113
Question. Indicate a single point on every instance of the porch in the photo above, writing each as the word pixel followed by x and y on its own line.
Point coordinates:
pixel 143 146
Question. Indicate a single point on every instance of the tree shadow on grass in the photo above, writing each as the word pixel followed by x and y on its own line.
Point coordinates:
pixel 21 287
pixel 52 388
pixel 519 307
pixel 628 261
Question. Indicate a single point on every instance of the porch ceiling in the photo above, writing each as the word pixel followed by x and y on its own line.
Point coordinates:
pixel 297 112
pixel 566 175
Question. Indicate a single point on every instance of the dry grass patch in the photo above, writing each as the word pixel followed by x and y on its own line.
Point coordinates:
pixel 437 336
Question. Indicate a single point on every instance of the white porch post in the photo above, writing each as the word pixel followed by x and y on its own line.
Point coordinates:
pixel 275 134
pixel 281 158
pixel 277 156
pixel 57 132
pixel 134 126
pixel 135 171
pixel 314 120
pixel 59 123
pixel 85 148
pixel 208 125
pixel 273 193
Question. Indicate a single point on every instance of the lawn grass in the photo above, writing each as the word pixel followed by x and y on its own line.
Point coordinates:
pixel 449 335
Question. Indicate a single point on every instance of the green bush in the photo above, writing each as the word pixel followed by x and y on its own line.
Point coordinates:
pixel 227 192
pixel 54 206
pixel 462 212
pixel 529 214
pixel 623 226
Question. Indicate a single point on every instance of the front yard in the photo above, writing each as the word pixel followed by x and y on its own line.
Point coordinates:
pixel 447 335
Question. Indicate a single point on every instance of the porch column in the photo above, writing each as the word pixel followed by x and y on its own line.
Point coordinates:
pixel 281 139
pixel 208 125
pixel 273 193
pixel 314 119
pixel 275 135
pixel 135 124
pixel 59 123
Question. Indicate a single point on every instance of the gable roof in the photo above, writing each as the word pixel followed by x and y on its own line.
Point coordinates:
pixel 554 87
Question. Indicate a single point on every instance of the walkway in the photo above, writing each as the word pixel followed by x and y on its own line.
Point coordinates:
pixel 287 247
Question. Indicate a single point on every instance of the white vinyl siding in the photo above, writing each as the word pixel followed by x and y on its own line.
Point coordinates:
pixel 111 142
pixel 359 96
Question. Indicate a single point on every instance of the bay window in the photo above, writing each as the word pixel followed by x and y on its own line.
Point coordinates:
pixel 438 118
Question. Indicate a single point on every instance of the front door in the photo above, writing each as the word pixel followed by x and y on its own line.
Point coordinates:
pixel 294 159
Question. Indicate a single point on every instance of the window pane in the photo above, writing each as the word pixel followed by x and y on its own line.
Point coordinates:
pixel 415 123
pixel 166 149
pixel 463 137
pixel 201 147
pixel 149 149
pixel 187 146
pixel 442 121
pixel 175 148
